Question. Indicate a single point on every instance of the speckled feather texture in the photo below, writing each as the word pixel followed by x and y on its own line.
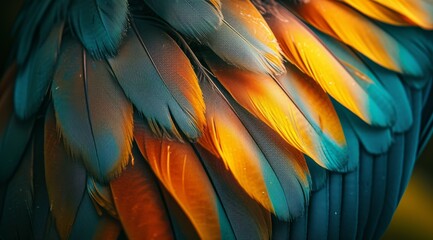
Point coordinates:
pixel 212 119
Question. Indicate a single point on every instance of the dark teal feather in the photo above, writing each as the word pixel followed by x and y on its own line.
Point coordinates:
pixel 150 67
pixel 318 219
pixel 94 116
pixel 394 86
pixel 193 18
pixel 90 225
pixel 365 191
pixel 99 24
pixel 16 219
pixel 32 83
pixel 336 196
pixel 245 215
pixel 349 208
pixel 65 178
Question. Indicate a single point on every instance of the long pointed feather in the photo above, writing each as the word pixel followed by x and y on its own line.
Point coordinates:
pixel 65 178
pixel 151 67
pixel 14 133
pixel 350 27
pixel 247 217
pixel 92 112
pixel 33 81
pixel 193 18
pixel 136 196
pixel 418 11
pixel 226 138
pixel 99 24
pixel 180 171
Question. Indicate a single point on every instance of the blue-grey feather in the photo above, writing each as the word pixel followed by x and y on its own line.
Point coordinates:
pixel 99 24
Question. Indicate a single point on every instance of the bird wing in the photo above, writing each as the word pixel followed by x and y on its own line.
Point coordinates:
pixel 212 119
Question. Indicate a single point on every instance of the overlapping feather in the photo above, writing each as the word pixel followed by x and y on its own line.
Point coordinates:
pixel 151 68
pixel 92 112
pixel 245 40
pixel 178 168
pixel 193 18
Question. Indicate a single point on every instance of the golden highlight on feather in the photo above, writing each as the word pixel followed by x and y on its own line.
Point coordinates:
pixel 315 100
pixel 357 31
pixel 180 171
pixel 266 100
pixel 137 197
pixel 303 48
pixel 417 11
pixel 378 12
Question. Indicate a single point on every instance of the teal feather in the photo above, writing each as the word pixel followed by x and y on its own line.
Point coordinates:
pixel 284 160
pixel 246 216
pixel 237 43
pixel 94 116
pixel 350 201
pixel 99 24
pixel 394 86
pixel 382 107
pixel 375 140
pixel 193 18
pixel 65 178
pixel 150 67
pixel 16 219
pixel 32 83
pixel 219 111
pixel 90 225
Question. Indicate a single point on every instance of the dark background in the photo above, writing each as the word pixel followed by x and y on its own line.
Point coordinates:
pixel 414 216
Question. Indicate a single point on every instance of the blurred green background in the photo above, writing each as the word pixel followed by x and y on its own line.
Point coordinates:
pixel 414 216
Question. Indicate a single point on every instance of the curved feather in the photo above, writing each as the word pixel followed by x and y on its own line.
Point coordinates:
pixel 418 11
pixel 102 197
pixel 151 68
pixel 247 217
pixel 193 18
pixel 90 225
pixel 379 12
pixel 33 81
pixel 180 171
pixel 99 24
pixel 92 112
pixel 265 99
pixel 350 27
pixel 65 178
pixel 352 88
pixel 137 197
pixel 226 138
pixel 245 40
pixel 14 133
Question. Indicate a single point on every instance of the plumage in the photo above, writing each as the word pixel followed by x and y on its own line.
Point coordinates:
pixel 245 40
pixel 265 99
pixel 248 164
pixel 86 97
pixel 212 119
pixel 378 45
pixel 99 24
pixel 14 133
pixel 206 17
pixel 137 184
pixel 417 11
pixel 65 178
pixel 32 83
pixel 150 66
pixel 180 171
